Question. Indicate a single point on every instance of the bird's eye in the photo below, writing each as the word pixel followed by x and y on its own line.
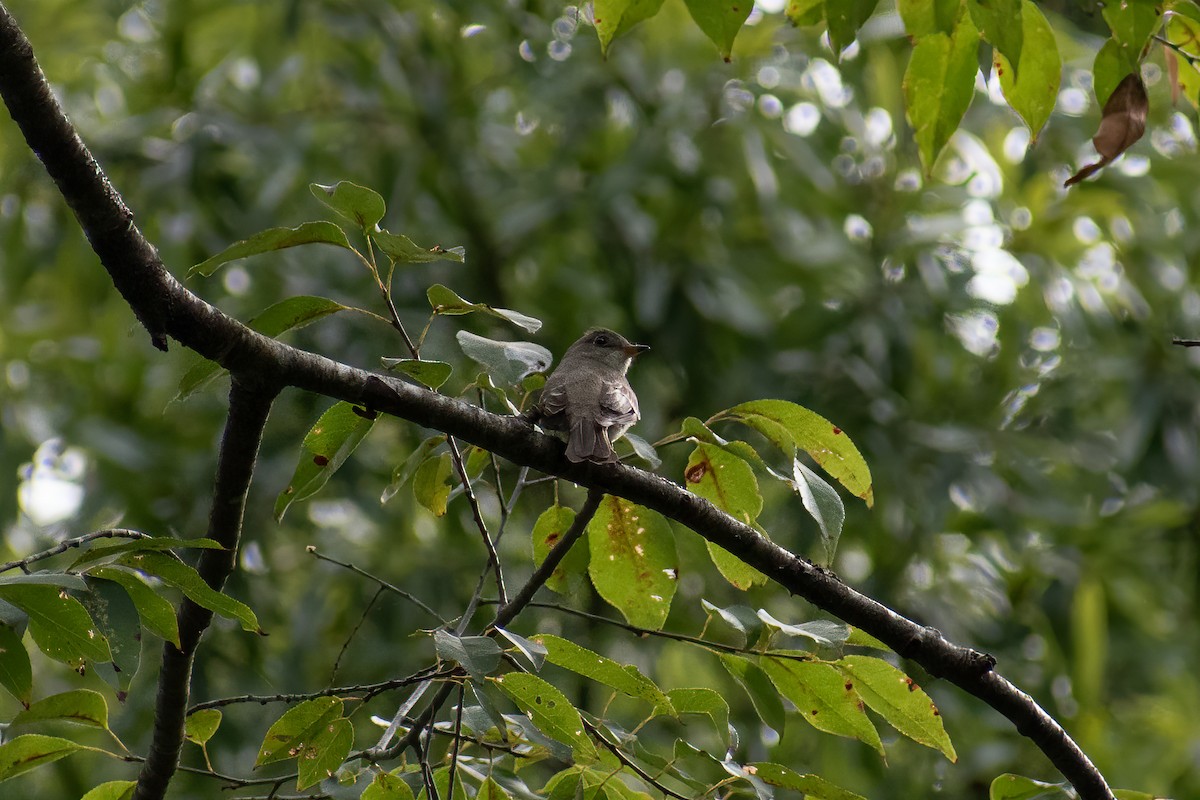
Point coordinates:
pixel 601 340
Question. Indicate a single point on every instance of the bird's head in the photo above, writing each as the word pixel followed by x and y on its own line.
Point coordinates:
pixel 605 347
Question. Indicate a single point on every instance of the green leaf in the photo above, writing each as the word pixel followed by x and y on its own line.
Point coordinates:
pixel 156 613
pixel 1132 23
pixel 1130 794
pixel 741 618
pixel 490 790
pixel 431 483
pixel 550 711
pixel 758 686
pixel 535 653
pixel 614 18
pixel 430 373
pixel 506 362
pixel 1018 787
pixel 286 315
pixel 478 655
pixel 547 531
pixel 814 787
pixel 59 624
pixel 898 699
pixel 999 22
pixel 720 20
pixel 407 468
pixel 441 783
pixel 188 581
pixel 81 706
pixel 1109 69
pixel 387 786
pixel 860 638
pixel 708 702
pixel 32 750
pixel 155 543
pixel 1182 31
pixel 356 203
pixel 446 302
pixel 315 733
pixel 274 239
pixel 789 426
pixel 1032 88
pixel 402 250
pixel 923 17
pixel 200 725
pixel 825 699
pixel 60 579
pixel 845 17
pixel 822 502
pixel 824 632
pixel 938 86
pixel 624 678
pixel 325 448
pixel 728 483
pixel 633 563
pixel 117 618
pixel 16 673
pixel 803 13
pixel 111 790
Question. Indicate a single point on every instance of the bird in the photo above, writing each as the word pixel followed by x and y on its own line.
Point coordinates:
pixel 587 399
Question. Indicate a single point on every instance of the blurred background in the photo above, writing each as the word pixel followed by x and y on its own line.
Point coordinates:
pixel 998 348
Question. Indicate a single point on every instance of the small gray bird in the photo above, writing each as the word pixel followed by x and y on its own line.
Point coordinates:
pixel 588 399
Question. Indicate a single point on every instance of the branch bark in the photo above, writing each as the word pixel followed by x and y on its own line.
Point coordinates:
pixel 166 308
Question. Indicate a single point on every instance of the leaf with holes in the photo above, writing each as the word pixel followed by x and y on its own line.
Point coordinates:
pixel 823 697
pixel 325 448
pixel 728 483
pixel 59 624
pixel 156 612
pixel 550 711
pixel 315 733
pixel 117 618
pixel 274 239
pixel 898 699
pixel 633 563
pixel 362 206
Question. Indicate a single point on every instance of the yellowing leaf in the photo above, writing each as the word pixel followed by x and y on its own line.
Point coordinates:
pixel 633 561
pixel 613 18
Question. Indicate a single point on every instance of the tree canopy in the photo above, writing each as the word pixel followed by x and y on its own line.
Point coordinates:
pixel 884 334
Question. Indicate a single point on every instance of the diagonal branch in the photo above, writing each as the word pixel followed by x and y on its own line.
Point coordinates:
pixel 166 308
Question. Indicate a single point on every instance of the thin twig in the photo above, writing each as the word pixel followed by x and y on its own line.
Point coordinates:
pixel 68 544
pixel 337 662
pixel 312 550
pixel 489 545
pixel 455 744
pixel 366 690
pixel 1186 342
pixel 1188 57
pixel 631 764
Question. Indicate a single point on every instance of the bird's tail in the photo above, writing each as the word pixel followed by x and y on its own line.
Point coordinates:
pixel 588 441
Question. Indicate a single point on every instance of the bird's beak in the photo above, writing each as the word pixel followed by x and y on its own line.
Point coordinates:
pixel 636 349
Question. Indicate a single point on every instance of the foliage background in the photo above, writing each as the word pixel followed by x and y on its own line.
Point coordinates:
pixel 999 348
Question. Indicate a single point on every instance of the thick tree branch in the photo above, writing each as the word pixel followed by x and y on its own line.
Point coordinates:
pixel 249 406
pixel 166 308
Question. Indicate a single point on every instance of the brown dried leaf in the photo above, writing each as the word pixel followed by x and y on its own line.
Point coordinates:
pixel 1123 123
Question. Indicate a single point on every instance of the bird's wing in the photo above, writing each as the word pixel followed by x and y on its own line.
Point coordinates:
pixel 618 404
pixel 553 400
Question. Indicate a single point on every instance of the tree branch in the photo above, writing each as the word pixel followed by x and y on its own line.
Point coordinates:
pixel 165 307
pixel 249 406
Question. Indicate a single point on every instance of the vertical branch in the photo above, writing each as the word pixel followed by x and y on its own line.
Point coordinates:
pixel 249 406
